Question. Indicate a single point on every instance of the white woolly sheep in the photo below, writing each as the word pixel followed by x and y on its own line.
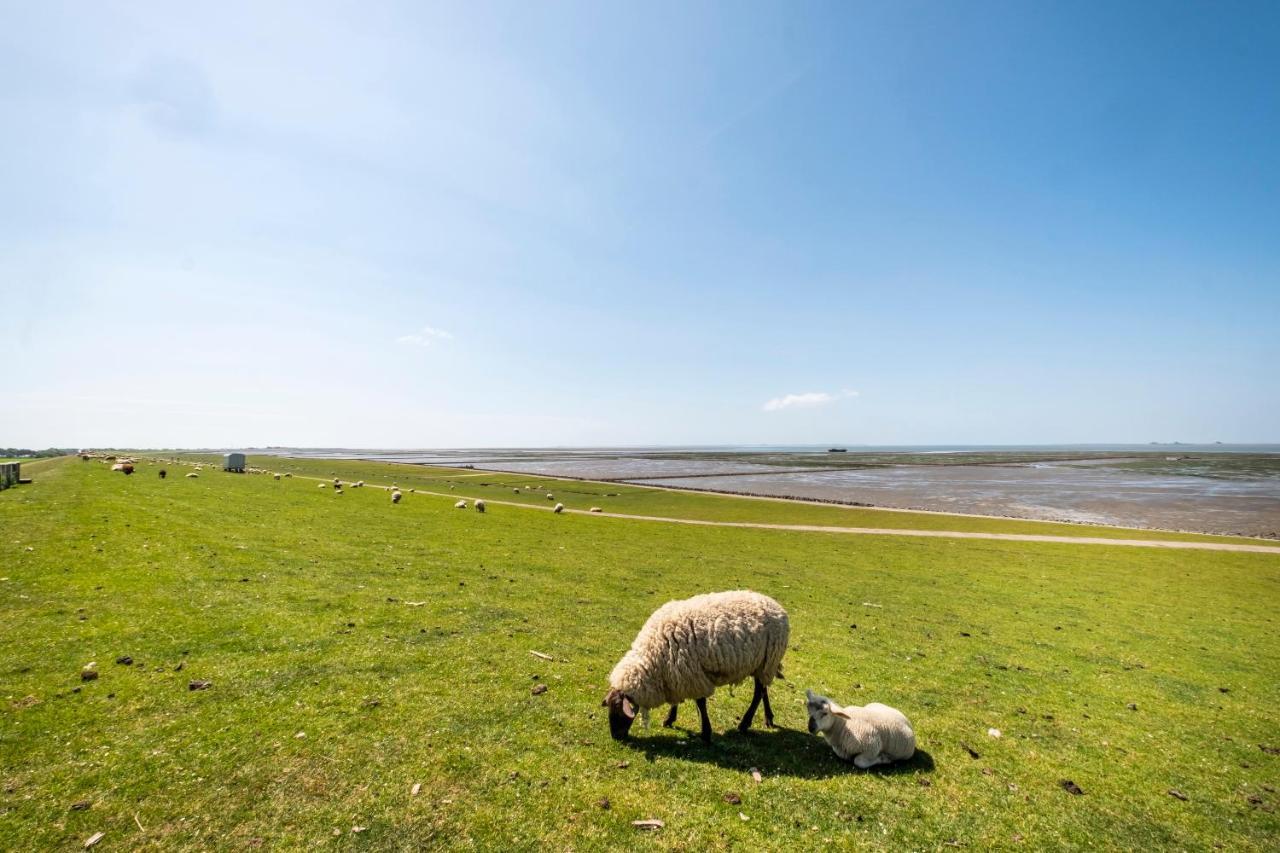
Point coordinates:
pixel 323 486
pixel 395 497
pixel 515 491
pixel 277 476
pixel 595 509
pixel 479 506
pixel 867 735
pixel 688 648
pixel 558 508
pixel 193 475
pixel 550 496
pixel 460 505
pixel 288 474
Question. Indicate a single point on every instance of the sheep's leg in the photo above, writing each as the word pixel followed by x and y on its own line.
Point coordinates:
pixel 751 709
pixel 768 712
pixel 671 718
pixel 866 759
pixel 706 721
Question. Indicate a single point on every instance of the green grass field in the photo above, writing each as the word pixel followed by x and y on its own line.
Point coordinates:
pixel 356 649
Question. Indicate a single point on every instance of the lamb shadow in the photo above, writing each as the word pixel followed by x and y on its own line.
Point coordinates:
pixel 777 752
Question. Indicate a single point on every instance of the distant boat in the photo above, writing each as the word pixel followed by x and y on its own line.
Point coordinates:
pixel 837 450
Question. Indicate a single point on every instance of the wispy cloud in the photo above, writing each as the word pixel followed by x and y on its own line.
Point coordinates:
pixel 425 337
pixel 808 400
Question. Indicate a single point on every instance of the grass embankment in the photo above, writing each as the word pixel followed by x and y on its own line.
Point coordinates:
pixel 659 502
pixel 356 648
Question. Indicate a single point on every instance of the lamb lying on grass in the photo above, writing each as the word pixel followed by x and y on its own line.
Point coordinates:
pixel 867 735
pixel 688 648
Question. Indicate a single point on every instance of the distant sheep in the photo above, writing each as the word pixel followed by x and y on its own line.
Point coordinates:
pixel 277 476
pixel 163 473
pixel 460 505
pixel 550 496
pixel 479 506
pixel 288 474
pixel 867 735
pixel 323 486
pixel 688 648
pixel 395 497
pixel 192 475
pixel 515 491
pixel 595 509
pixel 558 508
pixel 337 484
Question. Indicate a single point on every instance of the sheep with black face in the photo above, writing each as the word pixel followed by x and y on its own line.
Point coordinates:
pixel 688 648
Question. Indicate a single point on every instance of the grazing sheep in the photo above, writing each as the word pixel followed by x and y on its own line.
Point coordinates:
pixel 688 648
pixel 867 735
pixel 395 497
pixel 337 484
pixel 193 475
pixel 558 508
pixel 288 474
pixel 515 491
pixel 595 509
pixel 163 473
pixel 550 496
pixel 460 505
pixel 277 476
pixel 323 486
pixel 479 506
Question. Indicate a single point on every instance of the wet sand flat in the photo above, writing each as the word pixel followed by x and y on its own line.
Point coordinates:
pixel 1049 492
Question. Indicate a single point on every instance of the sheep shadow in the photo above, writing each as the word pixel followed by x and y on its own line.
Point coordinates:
pixel 776 752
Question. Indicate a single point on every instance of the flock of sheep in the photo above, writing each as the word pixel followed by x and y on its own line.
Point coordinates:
pixel 688 648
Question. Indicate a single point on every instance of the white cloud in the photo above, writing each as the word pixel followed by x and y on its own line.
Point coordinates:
pixel 807 400
pixel 425 338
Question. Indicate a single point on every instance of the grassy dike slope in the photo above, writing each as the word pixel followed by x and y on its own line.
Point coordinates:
pixel 356 648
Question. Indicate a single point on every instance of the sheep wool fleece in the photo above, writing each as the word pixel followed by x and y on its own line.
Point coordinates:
pixel 688 648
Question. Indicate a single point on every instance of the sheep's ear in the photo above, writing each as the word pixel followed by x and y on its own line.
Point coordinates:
pixel 628 709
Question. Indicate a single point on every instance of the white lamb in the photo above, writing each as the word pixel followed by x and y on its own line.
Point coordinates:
pixel 460 505
pixel 558 508
pixel 395 497
pixel 688 648
pixel 479 506
pixel 867 735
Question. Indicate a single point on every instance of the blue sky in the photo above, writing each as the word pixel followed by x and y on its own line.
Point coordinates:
pixel 553 224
